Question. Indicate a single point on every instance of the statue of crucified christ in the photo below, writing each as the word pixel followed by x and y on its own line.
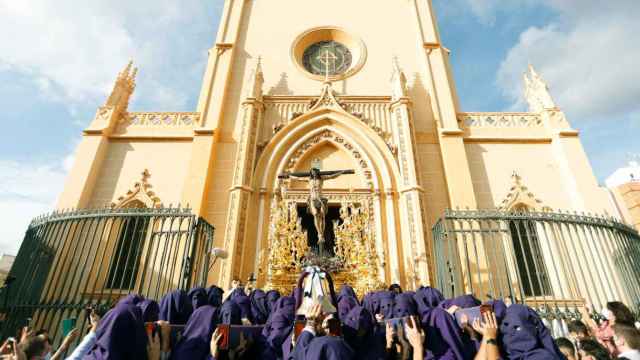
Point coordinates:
pixel 316 204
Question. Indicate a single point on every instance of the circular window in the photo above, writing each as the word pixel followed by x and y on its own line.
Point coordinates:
pixel 328 53
pixel 327 58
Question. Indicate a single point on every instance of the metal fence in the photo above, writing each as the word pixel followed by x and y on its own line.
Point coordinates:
pixel 554 262
pixel 71 259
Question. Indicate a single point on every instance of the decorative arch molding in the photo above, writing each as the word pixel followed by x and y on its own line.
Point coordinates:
pixel 330 136
pixel 521 198
pixel 140 196
pixel 361 139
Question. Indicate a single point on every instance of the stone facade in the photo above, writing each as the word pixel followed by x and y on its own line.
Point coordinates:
pixel 415 152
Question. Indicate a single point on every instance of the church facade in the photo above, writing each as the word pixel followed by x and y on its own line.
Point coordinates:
pixel 333 88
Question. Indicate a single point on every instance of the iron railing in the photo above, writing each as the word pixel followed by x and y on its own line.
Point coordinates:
pixel 72 259
pixel 554 262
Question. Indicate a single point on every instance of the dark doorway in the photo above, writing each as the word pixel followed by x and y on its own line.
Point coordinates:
pixel 333 214
pixel 528 256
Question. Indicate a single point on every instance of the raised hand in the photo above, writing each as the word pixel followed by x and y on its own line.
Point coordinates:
pixel 390 334
pixel 73 334
pixel 488 328
pixel 413 333
pixel 213 345
pixel 153 347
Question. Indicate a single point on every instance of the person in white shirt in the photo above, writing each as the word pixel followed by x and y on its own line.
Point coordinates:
pixel 627 340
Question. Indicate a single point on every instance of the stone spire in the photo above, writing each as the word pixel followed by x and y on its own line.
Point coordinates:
pixel 398 81
pixel 123 89
pixel 536 91
pixel 255 82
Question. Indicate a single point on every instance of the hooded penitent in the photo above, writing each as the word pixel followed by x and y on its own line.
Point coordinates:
pixel 524 337
pixel 150 310
pixel 427 298
pixel 244 303
pixel 176 307
pixel 347 291
pixel 386 301
pixel 345 304
pixel 361 333
pixel 272 297
pixel 196 337
pixel 259 307
pixel 322 348
pixel 404 305
pixel 463 302
pixel 444 338
pixel 214 296
pixel 279 324
pixel 198 297
pixel 121 335
pixel 230 313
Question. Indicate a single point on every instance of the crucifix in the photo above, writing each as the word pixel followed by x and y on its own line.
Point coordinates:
pixel 316 203
pixel 328 58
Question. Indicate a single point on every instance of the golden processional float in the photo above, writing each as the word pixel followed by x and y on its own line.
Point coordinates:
pixel 354 259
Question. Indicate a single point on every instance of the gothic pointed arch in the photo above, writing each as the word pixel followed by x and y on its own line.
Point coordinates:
pixel 520 198
pixel 344 127
pixel 139 196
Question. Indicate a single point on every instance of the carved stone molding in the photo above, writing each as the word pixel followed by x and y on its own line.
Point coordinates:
pixel 520 196
pixel 337 140
pixel 140 193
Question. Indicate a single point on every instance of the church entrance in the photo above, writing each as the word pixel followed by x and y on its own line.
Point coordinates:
pixel 333 214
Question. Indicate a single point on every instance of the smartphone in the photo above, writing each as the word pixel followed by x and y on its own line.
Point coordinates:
pixel 68 325
pixel 485 308
pixel 472 313
pixel 223 331
pixel 298 326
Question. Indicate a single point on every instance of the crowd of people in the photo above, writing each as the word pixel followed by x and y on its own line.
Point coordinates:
pixel 389 324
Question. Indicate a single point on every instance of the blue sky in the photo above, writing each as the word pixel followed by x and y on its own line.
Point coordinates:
pixel 61 58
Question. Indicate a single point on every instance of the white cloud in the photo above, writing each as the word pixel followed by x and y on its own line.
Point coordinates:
pixel 589 58
pixel 75 49
pixel 26 191
pixel 29 189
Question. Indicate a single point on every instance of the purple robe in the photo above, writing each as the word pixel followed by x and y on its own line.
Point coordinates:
pixel 131 299
pixel 345 304
pixel 272 297
pixel 214 295
pixel 198 297
pixel 371 302
pixel 404 305
pixel 386 299
pixel 444 338
pixel 259 307
pixel 427 298
pixel 239 297
pixel 196 337
pixel 309 347
pixel 524 337
pixel 463 302
pixel 120 335
pixel 176 307
pixel 499 308
pixel 279 325
pixel 230 313
pixel 363 334
pixel 347 291
pixel 150 310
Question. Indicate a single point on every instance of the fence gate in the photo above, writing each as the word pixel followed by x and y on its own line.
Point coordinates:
pixel 554 262
pixel 69 260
